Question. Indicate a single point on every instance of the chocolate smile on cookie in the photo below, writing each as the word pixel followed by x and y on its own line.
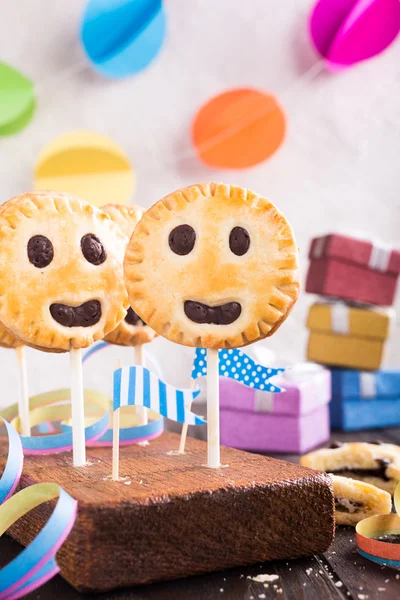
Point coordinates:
pixel 224 314
pixel 133 319
pixel 85 315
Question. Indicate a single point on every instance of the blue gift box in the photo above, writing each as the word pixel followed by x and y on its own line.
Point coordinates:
pixel 365 399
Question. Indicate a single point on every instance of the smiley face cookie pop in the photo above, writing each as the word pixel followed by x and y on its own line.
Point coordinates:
pixel 212 266
pixel 61 280
pixel 131 331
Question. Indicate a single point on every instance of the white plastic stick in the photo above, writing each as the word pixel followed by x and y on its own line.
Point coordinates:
pixel 141 411
pixel 78 408
pixel 115 445
pixel 185 426
pixel 23 397
pixel 213 450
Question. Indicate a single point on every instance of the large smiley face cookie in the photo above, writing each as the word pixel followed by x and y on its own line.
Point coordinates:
pixel 61 274
pixel 212 266
pixel 131 331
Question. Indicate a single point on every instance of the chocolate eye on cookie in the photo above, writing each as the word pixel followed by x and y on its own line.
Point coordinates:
pixel 40 251
pixel 182 239
pixel 239 241
pixel 92 249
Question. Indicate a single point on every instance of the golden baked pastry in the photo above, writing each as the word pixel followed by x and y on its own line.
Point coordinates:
pixel 212 266
pixel 7 339
pixel 61 274
pixel 375 463
pixel 131 331
pixel 357 500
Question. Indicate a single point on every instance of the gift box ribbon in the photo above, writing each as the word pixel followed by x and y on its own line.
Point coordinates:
pixel 340 314
pixel 367 384
pixel 300 375
pixel 380 252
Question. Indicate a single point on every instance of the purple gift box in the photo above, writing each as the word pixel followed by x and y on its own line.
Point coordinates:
pixel 295 420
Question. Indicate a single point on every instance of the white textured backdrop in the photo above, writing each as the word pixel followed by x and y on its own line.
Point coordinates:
pixel 338 169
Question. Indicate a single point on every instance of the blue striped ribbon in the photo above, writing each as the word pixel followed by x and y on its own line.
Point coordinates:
pixel 140 387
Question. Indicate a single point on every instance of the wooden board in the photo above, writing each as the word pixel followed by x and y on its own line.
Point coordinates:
pixel 170 516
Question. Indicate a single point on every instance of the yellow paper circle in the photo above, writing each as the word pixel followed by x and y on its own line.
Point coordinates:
pixel 88 165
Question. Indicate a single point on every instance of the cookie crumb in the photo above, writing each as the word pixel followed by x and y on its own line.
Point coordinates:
pixel 263 578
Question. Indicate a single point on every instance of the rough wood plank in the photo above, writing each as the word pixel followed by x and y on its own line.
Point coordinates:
pixel 301 579
pixel 177 517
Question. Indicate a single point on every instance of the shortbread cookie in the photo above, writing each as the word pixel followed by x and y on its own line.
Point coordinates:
pixel 357 500
pixel 7 339
pixel 375 463
pixel 212 266
pixel 61 274
pixel 131 331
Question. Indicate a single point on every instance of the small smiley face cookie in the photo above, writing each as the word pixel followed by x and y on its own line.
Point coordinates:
pixel 7 339
pixel 132 331
pixel 212 266
pixel 61 273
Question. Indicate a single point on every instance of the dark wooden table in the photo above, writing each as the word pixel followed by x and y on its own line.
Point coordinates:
pixel 339 574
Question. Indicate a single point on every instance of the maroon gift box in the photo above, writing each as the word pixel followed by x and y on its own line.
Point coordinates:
pixel 353 269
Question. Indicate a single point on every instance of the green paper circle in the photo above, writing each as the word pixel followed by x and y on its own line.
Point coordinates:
pixel 17 100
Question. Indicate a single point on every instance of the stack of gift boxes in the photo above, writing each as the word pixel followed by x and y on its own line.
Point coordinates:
pixel 349 325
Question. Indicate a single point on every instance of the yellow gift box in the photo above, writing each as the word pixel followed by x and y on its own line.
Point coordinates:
pixel 347 336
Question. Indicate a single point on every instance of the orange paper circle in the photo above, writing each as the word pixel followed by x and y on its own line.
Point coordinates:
pixel 238 129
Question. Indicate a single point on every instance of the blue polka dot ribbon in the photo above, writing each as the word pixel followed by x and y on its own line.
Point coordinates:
pixel 235 364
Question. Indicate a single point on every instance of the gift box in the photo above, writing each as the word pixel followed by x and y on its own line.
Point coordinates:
pixel 365 400
pixel 295 420
pixel 353 269
pixel 347 336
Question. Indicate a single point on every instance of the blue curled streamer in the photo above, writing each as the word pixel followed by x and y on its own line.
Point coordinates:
pixel 15 460
pixel 58 442
pixel 62 442
pixel 36 563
